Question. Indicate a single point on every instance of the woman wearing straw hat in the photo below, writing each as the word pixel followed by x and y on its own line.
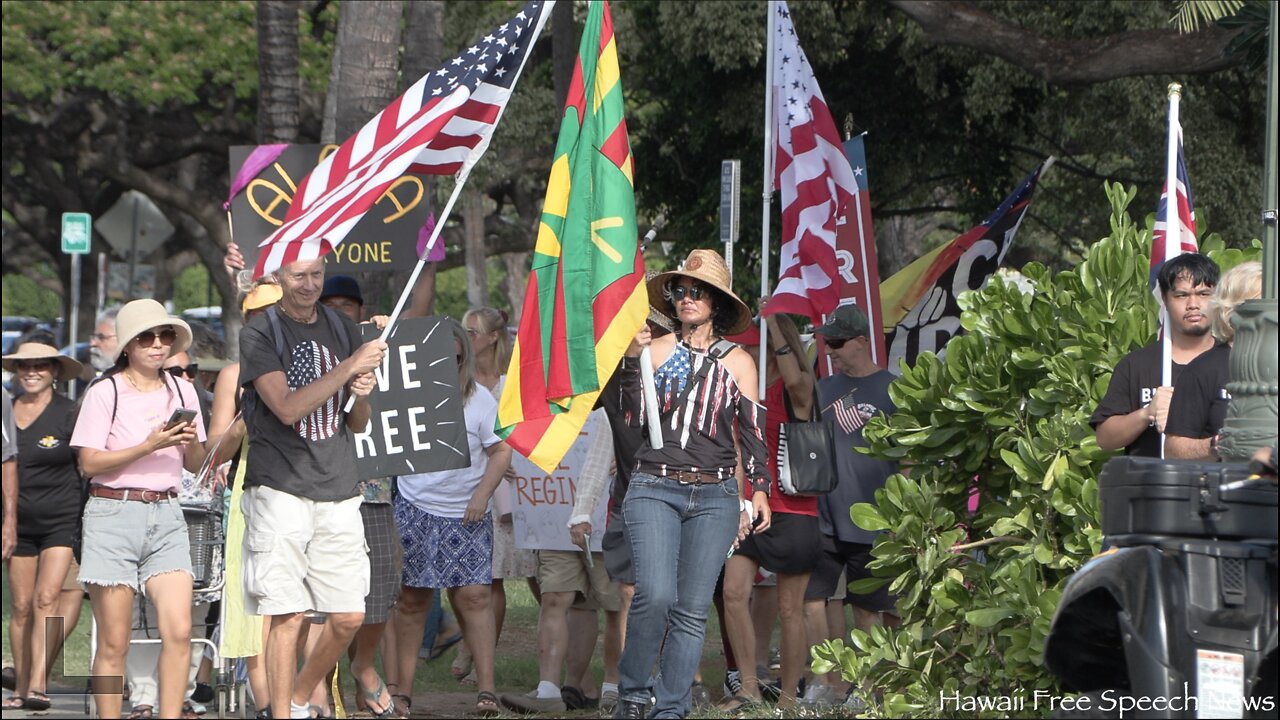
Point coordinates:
pixel 682 510
pixel 135 535
pixel 48 511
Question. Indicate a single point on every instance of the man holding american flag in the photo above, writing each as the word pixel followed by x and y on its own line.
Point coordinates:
pixel 858 391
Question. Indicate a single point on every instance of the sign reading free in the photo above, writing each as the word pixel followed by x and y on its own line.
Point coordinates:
pixel 385 239
pixel 77 233
pixel 417 423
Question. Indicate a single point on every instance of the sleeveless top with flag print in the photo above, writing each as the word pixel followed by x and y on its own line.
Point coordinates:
pixel 697 426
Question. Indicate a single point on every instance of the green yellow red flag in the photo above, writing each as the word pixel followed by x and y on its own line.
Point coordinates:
pixel 586 297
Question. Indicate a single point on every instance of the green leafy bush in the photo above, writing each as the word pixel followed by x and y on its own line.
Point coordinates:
pixel 1005 416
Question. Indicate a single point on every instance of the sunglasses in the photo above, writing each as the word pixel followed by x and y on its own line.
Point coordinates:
pixel 836 343
pixel 178 371
pixel 693 292
pixel 33 365
pixel 147 338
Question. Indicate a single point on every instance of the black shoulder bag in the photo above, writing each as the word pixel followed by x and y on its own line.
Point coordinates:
pixel 806 454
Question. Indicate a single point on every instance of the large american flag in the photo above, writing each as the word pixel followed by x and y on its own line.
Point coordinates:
pixel 812 175
pixel 440 125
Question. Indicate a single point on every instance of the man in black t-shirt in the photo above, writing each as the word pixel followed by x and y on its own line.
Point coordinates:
pixel 1135 408
pixel 304 538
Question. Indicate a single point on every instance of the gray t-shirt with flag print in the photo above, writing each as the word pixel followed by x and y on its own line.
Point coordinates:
pixel 848 403
pixel 315 457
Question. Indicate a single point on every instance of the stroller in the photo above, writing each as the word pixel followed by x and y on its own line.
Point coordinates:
pixel 204 528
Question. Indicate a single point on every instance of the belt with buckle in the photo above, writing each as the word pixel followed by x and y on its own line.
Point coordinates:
pixel 131 494
pixel 684 477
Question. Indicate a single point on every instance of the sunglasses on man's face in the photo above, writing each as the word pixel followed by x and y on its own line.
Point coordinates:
pixel 836 343
pixel 147 338
pixel 33 365
pixel 693 292
pixel 178 371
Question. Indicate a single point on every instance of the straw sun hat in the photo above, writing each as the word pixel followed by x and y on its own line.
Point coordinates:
pixel 707 267
pixel 140 316
pixel 68 367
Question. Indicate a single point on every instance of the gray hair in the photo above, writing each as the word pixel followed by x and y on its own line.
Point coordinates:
pixel 108 315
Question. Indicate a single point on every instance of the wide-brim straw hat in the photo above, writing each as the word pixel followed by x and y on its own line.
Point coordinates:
pixel 68 367
pixel 140 316
pixel 655 315
pixel 708 267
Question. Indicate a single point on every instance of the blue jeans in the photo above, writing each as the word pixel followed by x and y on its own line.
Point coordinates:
pixel 679 537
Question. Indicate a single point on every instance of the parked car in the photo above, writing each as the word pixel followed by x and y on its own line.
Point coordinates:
pixel 210 315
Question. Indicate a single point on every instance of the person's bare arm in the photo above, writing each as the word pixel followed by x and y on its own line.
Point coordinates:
pixel 798 383
pixel 743 369
pixel 360 386
pixel 1119 431
pixel 1185 448
pixel 424 293
pixel 221 428
pixel 9 479
pixel 290 406
pixel 499 459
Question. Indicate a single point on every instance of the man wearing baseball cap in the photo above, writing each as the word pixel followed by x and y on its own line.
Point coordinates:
pixel 848 399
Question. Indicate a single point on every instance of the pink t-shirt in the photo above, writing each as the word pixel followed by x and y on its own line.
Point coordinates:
pixel 137 415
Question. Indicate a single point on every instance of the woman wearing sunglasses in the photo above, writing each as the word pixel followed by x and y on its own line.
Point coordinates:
pixel 447 533
pixel 135 537
pixel 48 515
pixel 682 507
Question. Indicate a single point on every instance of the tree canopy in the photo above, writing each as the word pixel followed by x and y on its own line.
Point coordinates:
pixel 99 98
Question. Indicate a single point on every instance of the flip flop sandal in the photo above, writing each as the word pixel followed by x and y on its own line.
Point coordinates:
pixel 13 702
pixel 487 704
pixel 37 700
pixel 375 696
pixel 403 704
pixel 9 678
pixel 142 712
pixel 461 667
pixel 470 678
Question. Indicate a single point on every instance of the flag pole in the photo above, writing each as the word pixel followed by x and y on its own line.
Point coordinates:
pixel 767 195
pixel 417 269
pixel 1172 225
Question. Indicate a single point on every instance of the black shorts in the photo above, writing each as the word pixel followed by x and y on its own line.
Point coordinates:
pixel 852 559
pixel 791 545
pixel 31 543
pixel 617 550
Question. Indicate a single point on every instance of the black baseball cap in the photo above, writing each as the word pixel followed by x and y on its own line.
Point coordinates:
pixel 848 321
pixel 342 286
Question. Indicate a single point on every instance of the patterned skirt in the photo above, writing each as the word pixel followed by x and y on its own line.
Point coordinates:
pixel 441 552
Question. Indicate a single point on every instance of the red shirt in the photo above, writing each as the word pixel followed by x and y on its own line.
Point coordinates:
pixel 775 414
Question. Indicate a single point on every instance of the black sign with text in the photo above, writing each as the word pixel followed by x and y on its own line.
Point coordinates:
pixel 417 423
pixel 385 239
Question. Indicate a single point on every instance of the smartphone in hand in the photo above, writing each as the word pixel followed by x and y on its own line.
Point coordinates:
pixel 181 416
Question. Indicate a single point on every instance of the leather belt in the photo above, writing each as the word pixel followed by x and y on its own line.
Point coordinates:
pixel 684 477
pixel 133 494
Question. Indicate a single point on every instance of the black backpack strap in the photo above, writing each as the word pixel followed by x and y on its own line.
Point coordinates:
pixel 277 332
pixel 339 329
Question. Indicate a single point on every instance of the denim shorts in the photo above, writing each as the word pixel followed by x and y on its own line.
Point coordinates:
pixel 126 542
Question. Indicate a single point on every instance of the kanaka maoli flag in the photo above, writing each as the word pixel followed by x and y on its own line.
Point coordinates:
pixel 441 125
pixel 586 297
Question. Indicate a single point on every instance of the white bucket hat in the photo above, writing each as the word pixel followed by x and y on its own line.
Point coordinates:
pixel 139 316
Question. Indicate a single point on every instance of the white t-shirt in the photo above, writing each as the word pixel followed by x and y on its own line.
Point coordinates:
pixel 447 492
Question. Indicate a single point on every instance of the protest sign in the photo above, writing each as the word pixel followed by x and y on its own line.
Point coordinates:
pixel 542 503
pixel 417 422
pixel 385 239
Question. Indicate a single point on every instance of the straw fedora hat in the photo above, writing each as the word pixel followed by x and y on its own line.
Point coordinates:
pixel 68 367
pixel 139 316
pixel 707 267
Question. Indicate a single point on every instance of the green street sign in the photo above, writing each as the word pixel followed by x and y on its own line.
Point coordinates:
pixel 77 229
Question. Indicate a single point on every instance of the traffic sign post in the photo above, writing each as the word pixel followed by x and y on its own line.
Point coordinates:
pixel 77 235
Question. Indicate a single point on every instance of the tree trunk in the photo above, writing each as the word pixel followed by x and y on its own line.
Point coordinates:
pixel 278 84
pixel 473 227
pixel 517 264
pixel 564 52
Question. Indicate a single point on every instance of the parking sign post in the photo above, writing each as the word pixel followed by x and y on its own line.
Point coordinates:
pixel 77 233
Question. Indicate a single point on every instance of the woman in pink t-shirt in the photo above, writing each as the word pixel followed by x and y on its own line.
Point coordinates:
pixel 134 536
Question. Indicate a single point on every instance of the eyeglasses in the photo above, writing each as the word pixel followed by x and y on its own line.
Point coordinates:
pixel 694 292
pixel 33 365
pixel 147 338
pixel 101 337
pixel 178 371
pixel 473 332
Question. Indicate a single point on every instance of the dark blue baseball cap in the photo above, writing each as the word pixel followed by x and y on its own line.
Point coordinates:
pixel 342 286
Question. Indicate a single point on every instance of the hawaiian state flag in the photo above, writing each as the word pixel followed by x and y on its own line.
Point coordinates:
pixel 1175 228
pixel 441 125
pixel 586 297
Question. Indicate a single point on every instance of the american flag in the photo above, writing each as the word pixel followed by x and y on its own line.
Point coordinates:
pixel 1174 233
pixel 813 176
pixel 848 414
pixel 310 361
pixel 440 125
